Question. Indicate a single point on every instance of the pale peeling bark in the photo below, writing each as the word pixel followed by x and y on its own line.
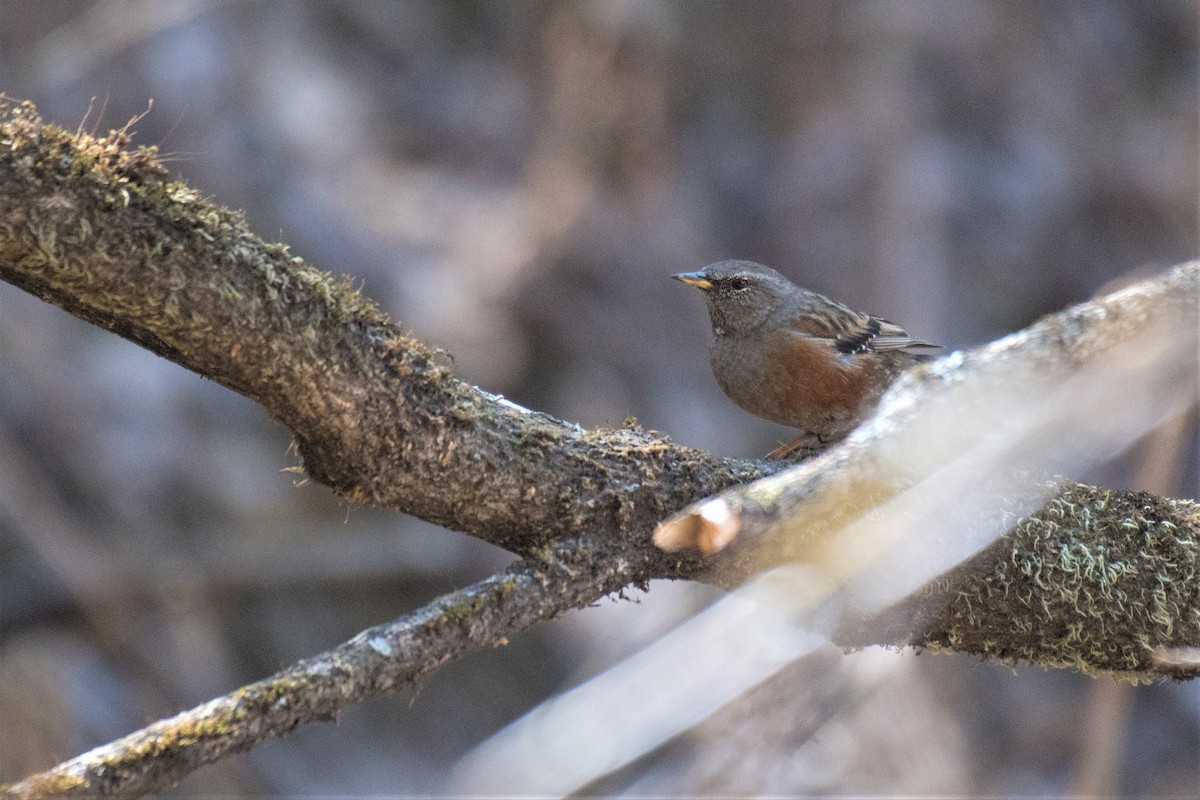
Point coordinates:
pixel 1077 576
pixel 101 231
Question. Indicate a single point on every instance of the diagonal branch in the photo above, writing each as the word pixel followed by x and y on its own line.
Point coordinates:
pixel 1095 580
pixel 101 231
pixel 380 659
pixel 994 604
pixel 943 479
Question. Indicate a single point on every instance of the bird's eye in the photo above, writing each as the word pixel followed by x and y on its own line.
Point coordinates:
pixel 738 284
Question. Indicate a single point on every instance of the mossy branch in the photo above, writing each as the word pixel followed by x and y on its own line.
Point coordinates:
pixel 100 230
pixel 385 658
pixel 996 604
pixel 1077 576
pixel 1095 580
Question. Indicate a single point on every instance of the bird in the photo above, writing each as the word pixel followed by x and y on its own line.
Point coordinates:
pixel 795 357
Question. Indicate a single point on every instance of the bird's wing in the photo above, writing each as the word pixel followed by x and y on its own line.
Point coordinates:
pixel 853 332
pixel 893 337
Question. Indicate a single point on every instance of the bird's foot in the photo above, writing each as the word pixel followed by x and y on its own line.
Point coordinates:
pixel 806 444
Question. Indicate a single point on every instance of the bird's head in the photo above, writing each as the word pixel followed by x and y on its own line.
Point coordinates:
pixel 741 295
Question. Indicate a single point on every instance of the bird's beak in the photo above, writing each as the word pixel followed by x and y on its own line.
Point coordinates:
pixel 696 279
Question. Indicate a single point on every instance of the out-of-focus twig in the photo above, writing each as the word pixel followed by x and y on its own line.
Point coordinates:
pixel 1102 741
pixel 106 28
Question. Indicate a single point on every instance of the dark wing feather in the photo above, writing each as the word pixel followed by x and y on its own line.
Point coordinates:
pixel 860 337
pixel 893 337
pixel 851 332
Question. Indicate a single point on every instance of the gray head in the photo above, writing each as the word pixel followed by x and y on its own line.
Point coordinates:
pixel 741 295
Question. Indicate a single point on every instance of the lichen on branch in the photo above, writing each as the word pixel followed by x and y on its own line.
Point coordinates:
pixel 101 230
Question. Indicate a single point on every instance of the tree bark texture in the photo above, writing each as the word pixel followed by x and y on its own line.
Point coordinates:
pixel 100 229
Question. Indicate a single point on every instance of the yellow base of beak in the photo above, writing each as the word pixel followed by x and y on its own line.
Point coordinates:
pixel 696 279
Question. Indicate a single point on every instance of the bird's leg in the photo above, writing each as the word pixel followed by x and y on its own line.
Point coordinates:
pixel 807 444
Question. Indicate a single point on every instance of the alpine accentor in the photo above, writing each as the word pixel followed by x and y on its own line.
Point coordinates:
pixel 796 357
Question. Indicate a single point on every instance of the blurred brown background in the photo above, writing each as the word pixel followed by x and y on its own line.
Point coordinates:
pixel 516 182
